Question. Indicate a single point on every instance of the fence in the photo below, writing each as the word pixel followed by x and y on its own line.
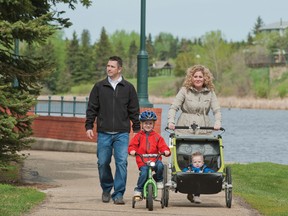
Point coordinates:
pixel 64 119
pixel 58 106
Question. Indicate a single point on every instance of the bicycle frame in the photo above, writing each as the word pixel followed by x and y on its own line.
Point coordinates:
pixel 150 180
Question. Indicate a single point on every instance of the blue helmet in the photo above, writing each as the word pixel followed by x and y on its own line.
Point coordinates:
pixel 148 115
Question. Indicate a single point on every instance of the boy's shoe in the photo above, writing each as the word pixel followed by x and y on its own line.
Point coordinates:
pixel 137 194
pixel 197 199
pixel 160 185
pixel 190 197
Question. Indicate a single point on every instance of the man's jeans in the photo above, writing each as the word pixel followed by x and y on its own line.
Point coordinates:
pixel 118 144
pixel 143 175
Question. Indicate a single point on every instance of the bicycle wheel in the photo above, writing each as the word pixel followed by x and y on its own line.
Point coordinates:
pixel 165 190
pixel 228 188
pixel 150 197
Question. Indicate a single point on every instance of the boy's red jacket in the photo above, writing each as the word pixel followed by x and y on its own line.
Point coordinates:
pixel 147 143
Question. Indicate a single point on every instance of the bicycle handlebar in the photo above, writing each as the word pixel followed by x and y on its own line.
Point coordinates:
pixel 142 156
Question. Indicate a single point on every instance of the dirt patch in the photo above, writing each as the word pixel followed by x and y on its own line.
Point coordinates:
pixel 242 202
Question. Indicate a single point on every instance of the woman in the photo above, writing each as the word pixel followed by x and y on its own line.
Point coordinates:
pixel 195 99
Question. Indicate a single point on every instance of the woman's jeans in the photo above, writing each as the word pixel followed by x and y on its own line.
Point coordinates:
pixel 143 175
pixel 118 145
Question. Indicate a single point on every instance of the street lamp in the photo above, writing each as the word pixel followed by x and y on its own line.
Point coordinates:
pixel 142 63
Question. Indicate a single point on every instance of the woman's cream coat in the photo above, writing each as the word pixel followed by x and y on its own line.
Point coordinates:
pixel 195 106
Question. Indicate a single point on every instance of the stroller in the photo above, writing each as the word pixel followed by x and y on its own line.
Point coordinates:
pixel 182 147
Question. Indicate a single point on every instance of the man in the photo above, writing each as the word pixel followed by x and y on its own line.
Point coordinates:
pixel 114 102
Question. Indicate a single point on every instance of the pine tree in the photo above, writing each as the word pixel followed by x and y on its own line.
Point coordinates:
pixel 26 21
pixel 103 52
pixel 259 23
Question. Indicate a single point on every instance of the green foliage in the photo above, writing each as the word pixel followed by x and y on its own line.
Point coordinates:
pixel 261 82
pixel 263 185
pixel 30 23
pixel 103 51
pixel 15 123
pixel 282 90
pixel 259 23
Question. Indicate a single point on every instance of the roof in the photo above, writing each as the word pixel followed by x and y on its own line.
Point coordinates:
pixel 275 26
pixel 161 65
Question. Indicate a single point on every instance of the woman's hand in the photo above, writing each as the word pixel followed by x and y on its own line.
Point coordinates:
pixel 171 126
pixel 166 153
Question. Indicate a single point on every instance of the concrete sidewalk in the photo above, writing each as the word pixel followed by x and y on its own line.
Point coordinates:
pixel 70 180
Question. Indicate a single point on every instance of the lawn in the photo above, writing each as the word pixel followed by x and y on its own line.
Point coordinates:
pixel 263 185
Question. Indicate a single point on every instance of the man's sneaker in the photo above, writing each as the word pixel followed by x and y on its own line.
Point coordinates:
pixel 106 197
pixel 160 185
pixel 190 197
pixel 197 199
pixel 119 201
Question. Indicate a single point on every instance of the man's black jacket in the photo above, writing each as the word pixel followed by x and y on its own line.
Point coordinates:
pixel 113 108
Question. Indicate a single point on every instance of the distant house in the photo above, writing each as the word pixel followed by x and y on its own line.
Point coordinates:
pixel 280 27
pixel 279 56
pixel 161 68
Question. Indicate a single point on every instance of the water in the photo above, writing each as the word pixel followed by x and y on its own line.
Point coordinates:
pixel 251 135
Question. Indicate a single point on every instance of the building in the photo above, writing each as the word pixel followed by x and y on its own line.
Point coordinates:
pixel 280 27
pixel 161 68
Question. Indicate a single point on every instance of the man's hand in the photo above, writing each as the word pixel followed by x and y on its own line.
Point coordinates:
pixel 90 134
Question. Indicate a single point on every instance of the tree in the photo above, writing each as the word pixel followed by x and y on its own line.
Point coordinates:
pixel 87 70
pixel 132 60
pixel 162 45
pixel 216 53
pixel 30 22
pixel 72 60
pixel 259 23
pixel 103 51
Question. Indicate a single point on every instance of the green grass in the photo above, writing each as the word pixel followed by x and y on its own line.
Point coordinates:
pixel 263 185
pixel 15 201
pixel 164 86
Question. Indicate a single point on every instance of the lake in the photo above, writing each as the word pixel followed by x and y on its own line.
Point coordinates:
pixel 250 135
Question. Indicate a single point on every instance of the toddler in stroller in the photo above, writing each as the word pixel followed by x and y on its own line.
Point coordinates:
pixel 197 166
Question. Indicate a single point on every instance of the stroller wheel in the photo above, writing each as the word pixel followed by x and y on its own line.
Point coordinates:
pixel 228 188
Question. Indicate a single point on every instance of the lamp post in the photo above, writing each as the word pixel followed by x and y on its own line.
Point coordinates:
pixel 142 63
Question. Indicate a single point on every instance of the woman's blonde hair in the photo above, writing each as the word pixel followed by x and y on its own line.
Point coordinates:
pixel 208 77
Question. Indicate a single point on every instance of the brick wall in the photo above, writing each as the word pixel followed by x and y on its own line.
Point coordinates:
pixel 72 128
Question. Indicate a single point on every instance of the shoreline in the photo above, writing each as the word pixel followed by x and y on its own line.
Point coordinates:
pixel 225 102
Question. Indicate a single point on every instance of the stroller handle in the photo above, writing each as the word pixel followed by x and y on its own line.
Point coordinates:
pixel 194 127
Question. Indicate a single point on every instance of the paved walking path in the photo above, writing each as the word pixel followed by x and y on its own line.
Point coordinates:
pixel 71 182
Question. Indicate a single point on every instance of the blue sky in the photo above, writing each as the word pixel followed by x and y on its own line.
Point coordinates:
pixel 182 18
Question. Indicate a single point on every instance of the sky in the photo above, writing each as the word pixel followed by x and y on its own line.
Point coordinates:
pixel 182 18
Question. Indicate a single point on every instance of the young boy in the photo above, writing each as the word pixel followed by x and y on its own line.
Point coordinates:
pixel 147 141
pixel 197 166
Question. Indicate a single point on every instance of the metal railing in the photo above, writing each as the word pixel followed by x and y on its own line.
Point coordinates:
pixel 61 107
